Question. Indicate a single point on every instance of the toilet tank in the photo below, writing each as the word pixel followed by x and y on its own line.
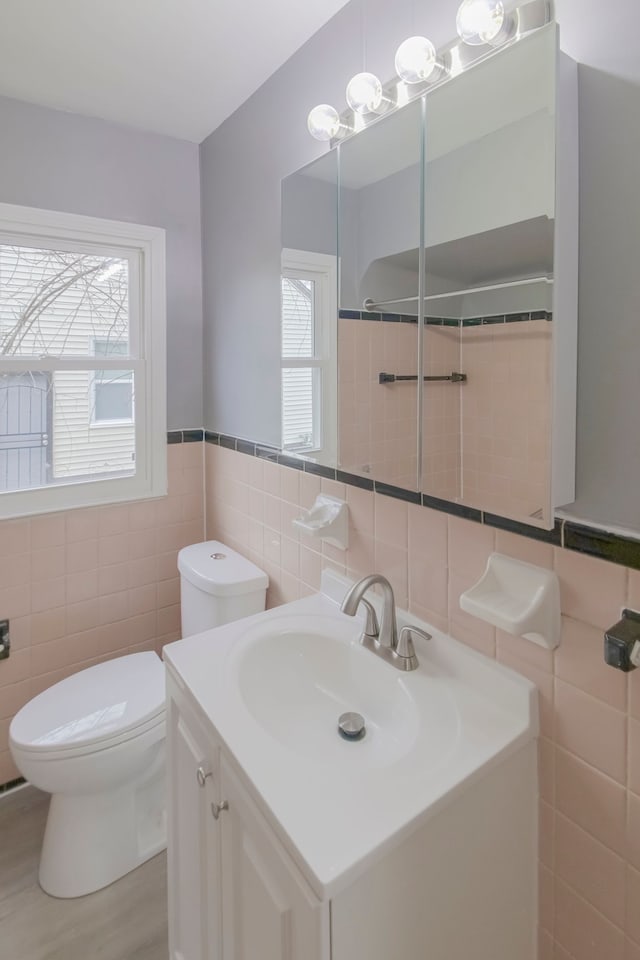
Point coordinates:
pixel 217 585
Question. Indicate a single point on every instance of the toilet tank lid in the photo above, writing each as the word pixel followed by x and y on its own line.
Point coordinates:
pixel 220 571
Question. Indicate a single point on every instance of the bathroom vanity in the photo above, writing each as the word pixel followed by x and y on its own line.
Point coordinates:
pixel 286 841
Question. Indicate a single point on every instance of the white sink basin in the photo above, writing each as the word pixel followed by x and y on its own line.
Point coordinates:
pixel 297 675
pixel 273 687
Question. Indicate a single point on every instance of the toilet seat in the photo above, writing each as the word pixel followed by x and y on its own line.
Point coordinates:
pixel 99 707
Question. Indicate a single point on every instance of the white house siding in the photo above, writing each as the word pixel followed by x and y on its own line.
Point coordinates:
pixel 79 446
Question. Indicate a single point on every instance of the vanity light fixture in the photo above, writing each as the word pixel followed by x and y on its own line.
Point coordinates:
pixel 364 93
pixel 482 21
pixel 416 60
pixel 323 122
pixel 481 25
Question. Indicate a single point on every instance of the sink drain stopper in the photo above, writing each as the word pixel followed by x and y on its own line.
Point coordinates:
pixel 351 726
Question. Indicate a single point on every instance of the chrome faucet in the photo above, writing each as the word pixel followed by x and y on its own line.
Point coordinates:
pixel 383 639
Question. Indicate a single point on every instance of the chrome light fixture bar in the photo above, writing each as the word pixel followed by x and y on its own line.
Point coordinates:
pixel 484 27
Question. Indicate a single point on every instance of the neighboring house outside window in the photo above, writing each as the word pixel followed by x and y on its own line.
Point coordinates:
pixel 309 362
pixel 82 361
pixel 112 389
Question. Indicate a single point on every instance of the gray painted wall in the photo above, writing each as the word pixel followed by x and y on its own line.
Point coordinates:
pixel 266 139
pixel 59 161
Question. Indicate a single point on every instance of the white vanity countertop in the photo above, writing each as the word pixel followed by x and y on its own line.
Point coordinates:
pixel 338 809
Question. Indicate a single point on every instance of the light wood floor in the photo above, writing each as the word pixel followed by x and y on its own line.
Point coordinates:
pixel 126 921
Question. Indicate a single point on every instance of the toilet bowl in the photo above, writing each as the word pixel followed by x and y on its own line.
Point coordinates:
pixel 96 740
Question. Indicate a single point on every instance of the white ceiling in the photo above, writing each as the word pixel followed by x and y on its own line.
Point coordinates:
pixel 177 67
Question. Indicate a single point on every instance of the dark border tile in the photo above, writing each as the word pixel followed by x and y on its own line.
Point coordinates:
pixel 388 490
pixel 246 446
pixel 450 322
pixel 319 469
pixel 349 315
pixel 372 315
pixel 267 453
pixel 455 509
pixel 472 322
pixel 578 537
pixel 489 321
pixel 391 317
pixel 192 436
pixel 603 544
pixel 525 529
pixel 517 317
pixel 354 480
pixel 174 436
pixel 287 461
pixel 12 784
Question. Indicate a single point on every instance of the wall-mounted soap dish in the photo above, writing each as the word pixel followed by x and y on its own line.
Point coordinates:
pixel 328 519
pixel 519 598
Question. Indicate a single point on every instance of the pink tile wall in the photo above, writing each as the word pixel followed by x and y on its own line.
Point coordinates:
pixel 441 464
pixel 589 748
pixel 506 417
pixel 378 422
pixel 86 585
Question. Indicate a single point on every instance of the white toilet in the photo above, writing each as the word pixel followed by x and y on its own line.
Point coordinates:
pixel 96 741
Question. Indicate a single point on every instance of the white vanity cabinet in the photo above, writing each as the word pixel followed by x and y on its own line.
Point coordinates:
pixel 418 842
pixel 460 886
pixel 193 837
pixel 234 893
pixel 268 910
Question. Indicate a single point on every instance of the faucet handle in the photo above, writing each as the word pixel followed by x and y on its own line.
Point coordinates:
pixel 372 627
pixel 405 648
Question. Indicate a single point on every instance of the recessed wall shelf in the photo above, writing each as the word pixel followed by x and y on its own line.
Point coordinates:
pixel 519 598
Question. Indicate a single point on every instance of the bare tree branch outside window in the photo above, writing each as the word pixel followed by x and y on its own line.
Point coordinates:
pixel 76 421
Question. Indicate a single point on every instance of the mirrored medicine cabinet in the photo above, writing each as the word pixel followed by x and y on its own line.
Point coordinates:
pixel 429 291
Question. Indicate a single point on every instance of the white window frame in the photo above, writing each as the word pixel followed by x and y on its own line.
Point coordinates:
pixel 144 248
pixel 322 269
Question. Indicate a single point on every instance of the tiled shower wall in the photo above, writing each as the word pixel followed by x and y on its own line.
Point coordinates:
pixel 506 416
pixel 441 404
pixel 86 585
pixel 378 422
pixel 485 442
pixel 590 714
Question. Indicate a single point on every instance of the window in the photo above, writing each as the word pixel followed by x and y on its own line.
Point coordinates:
pixel 82 361
pixel 112 389
pixel 309 369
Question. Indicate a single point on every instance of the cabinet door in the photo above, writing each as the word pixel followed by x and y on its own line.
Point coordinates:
pixel 269 912
pixel 193 848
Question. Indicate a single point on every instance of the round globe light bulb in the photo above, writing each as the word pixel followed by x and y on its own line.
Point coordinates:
pixel 364 93
pixel 415 60
pixel 323 122
pixel 480 21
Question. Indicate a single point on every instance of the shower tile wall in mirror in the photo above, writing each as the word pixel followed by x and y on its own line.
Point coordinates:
pixel 452 227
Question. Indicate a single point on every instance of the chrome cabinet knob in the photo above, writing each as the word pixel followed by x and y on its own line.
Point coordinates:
pixel 217 808
pixel 201 776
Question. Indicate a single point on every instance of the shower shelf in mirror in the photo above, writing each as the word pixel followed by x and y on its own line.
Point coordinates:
pixel 370 304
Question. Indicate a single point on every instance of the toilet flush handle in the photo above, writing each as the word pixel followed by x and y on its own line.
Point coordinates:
pixel 202 775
